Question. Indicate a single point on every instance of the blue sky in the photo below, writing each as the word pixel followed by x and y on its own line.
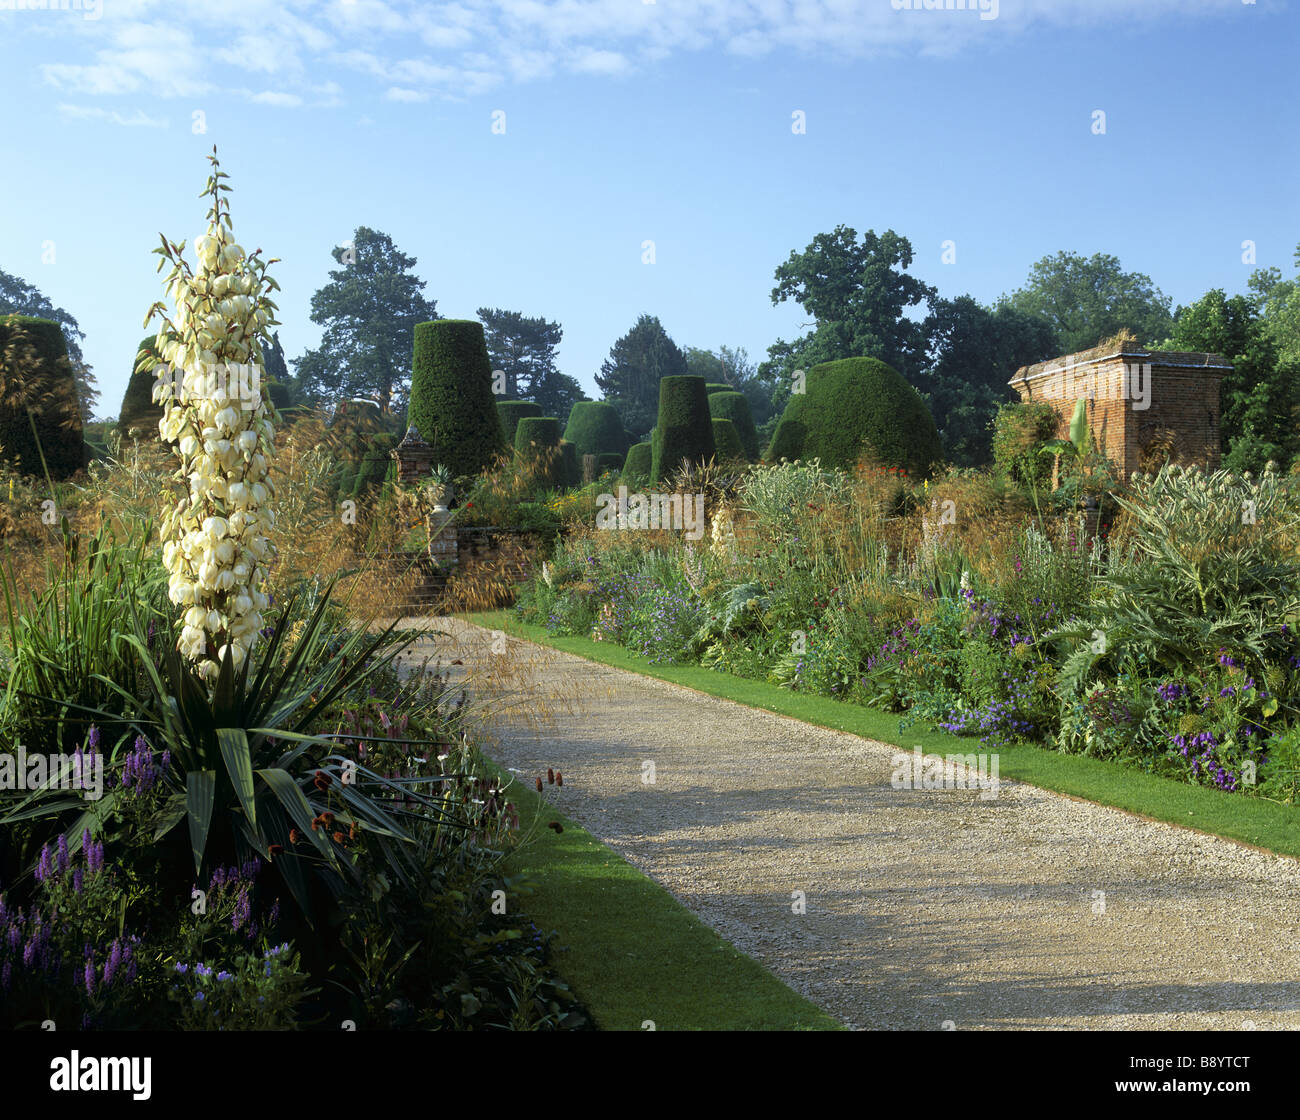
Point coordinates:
pixel 628 121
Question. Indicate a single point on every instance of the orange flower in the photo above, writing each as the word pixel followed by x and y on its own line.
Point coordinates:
pixel 338 838
pixel 274 850
pixel 294 836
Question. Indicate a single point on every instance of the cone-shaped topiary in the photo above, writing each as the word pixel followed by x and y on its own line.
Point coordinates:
pixel 684 430
pixel 537 439
pixel 38 388
pixel 452 406
pixel 855 407
pixel 727 441
pixel 638 462
pixel 139 410
pixel 511 412
pixel 595 429
pixel 733 406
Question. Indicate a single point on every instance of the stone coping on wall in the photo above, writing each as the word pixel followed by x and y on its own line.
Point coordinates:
pixel 1158 359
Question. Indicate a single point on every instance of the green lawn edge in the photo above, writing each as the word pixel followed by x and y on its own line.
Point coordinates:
pixel 628 949
pixel 1254 821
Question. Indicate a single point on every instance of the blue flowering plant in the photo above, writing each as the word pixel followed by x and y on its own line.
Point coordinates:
pixel 251 991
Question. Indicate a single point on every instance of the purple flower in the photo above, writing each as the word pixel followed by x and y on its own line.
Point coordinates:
pixel 92 740
pixel 114 962
pixel 44 869
pixel 63 853
pixel 95 857
pixel 182 968
pixel 76 879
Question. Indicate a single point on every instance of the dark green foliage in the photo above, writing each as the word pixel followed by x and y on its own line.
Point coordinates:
pixel 856 407
pixel 727 441
pixel 17 297
pixel 360 436
pixel 374 467
pixel 511 412
pixel 139 410
pixel 451 395
pixel 630 376
pixel 733 406
pixel 38 389
pixel 1019 431
pixel 595 429
pixel 608 461
pixel 570 465
pixel 685 430
pixel 638 462
pixel 537 440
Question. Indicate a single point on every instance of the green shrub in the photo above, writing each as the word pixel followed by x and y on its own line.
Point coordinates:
pixel 570 466
pixel 712 387
pixel 1019 430
pixel 638 462
pixel 733 406
pixel 594 428
pixel 855 407
pixel 537 440
pixel 511 412
pixel 684 430
pixel 609 461
pixel 139 410
pixel 452 405
pixel 38 390
pixel 727 441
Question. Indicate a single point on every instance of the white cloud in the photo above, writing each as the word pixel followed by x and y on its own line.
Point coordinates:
pixel 138 119
pixel 183 48
pixel 396 93
pixel 278 100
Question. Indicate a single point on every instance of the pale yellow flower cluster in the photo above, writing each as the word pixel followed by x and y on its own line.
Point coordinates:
pixel 217 538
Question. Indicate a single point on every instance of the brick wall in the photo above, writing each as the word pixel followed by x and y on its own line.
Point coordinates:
pixel 1143 405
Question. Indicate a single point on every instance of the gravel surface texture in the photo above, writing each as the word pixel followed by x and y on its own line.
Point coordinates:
pixel 925 909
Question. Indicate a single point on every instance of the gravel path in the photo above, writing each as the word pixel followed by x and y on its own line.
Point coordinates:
pixel 925 909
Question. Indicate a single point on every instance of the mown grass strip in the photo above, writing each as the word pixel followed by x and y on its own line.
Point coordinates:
pixel 1264 824
pixel 630 951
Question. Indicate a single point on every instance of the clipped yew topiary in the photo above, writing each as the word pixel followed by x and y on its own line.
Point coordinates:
pixel 570 465
pixel 452 405
pixel 712 387
pixel 511 412
pixel 594 428
pixel 139 410
pixel 727 441
pixel 684 430
pixel 38 390
pixel 638 462
pixel 730 405
pixel 608 461
pixel 856 407
pixel 537 439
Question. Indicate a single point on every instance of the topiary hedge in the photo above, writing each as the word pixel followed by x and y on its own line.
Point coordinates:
pixel 733 406
pixel 570 465
pixel 452 405
pixel 594 428
pixel 727 441
pixel 139 410
pixel 638 462
pixel 511 412
pixel 537 439
pixel 685 429
pixel 38 390
pixel 1019 430
pixel 712 387
pixel 853 407
pixel 608 461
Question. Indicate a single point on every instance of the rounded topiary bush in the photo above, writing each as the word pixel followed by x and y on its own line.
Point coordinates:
pixel 856 407
pixel 727 441
pixel 452 405
pixel 608 461
pixel 511 412
pixel 38 390
pixel 638 462
pixel 537 439
pixel 139 410
pixel 685 429
pixel 733 406
pixel 594 428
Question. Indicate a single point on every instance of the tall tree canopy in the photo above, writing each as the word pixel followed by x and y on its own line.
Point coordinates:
pixel 1258 398
pixel 857 293
pixel 369 310
pixel 973 352
pixel 1087 299
pixel 523 348
pixel 17 297
pixel 630 376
